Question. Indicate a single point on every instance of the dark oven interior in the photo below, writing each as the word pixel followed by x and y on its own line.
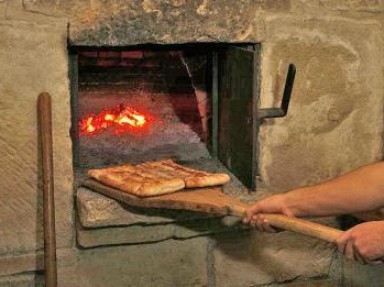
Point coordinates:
pixel 193 103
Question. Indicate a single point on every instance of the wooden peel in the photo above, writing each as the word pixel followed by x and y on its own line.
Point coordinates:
pixel 212 200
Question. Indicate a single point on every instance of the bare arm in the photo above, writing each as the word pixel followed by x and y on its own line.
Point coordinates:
pixel 356 191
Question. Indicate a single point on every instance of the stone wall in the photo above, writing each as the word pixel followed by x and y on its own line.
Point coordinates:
pixel 335 123
pixel 33 59
pixel 335 120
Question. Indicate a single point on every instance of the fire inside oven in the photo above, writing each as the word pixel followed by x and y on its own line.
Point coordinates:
pixel 189 103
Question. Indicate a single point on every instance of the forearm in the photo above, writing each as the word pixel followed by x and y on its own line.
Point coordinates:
pixel 357 191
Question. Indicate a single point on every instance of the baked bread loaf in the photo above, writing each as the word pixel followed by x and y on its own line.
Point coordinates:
pixel 156 178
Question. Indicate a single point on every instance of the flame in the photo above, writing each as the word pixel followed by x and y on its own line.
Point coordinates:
pixel 122 119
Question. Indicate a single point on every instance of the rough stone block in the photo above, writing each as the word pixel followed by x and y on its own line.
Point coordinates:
pixel 23 280
pixel 21 263
pixel 337 85
pixel 96 210
pixel 356 275
pixel 139 234
pixel 169 263
pixel 252 259
pixel 50 7
pixel 314 283
pixel 275 5
pixel 117 23
pixel 33 59
pixel 358 5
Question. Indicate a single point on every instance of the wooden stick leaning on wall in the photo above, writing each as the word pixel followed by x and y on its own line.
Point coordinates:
pixel 45 133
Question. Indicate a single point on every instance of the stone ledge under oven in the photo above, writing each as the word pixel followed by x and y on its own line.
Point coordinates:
pixel 104 221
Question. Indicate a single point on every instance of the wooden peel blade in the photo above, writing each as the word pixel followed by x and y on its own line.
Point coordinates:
pixel 214 201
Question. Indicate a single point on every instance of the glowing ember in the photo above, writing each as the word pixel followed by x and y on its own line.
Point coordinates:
pixel 121 119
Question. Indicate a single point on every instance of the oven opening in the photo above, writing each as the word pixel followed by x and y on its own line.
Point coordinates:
pixel 192 103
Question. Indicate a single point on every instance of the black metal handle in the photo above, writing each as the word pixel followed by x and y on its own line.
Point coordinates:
pixel 282 111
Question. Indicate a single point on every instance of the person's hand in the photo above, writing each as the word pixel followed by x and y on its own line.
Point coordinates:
pixel 363 243
pixel 273 204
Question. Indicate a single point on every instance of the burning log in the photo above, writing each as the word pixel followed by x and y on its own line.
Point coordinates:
pixel 121 119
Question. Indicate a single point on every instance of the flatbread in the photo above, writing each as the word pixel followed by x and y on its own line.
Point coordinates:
pixel 156 178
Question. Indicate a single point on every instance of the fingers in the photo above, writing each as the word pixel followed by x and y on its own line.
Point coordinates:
pixel 349 250
pixel 261 223
pixel 341 242
pixel 347 246
pixel 352 252
pixel 254 214
pixel 358 257
pixel 254 209
pixel 246 219
pixel 344 245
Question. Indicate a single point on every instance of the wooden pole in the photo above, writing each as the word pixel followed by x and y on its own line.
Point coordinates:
pixel 297 225
pixel 45 130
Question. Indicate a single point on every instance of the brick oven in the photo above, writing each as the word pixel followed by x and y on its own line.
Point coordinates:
pixel 176 64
